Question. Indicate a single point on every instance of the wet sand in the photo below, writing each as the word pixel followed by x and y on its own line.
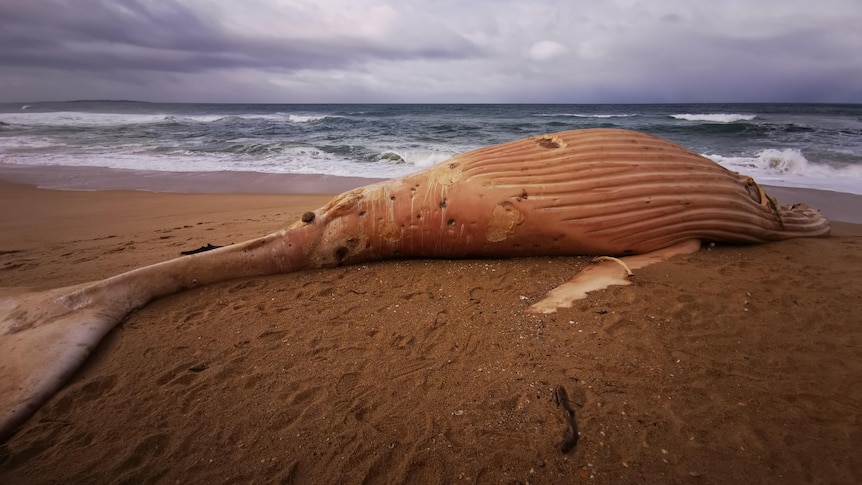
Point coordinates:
pixel 737 364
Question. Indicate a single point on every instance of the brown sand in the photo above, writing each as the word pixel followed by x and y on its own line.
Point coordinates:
pixel 732 365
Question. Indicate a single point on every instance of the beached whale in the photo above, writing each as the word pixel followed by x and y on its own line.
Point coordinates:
pixel 631 198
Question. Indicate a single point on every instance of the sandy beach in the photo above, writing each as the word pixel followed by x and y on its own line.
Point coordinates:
pixel 737 364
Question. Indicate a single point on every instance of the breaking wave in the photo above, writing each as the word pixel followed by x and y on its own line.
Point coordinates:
pixel 714 118
pixel 583 115
pixel 305 118
pixel 789 167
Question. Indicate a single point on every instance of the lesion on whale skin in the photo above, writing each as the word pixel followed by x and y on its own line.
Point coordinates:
pixel 446 173
pixel 504 218
pixel 344 203
pixel 358 225
pixel 550 142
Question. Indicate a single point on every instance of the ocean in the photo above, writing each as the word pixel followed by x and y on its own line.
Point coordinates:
pixel 794 145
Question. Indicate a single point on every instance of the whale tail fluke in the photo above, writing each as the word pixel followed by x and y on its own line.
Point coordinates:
pixel 45 336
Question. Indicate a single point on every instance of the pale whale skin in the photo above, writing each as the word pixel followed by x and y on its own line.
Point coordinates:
pixel 588 192
pixel 600 191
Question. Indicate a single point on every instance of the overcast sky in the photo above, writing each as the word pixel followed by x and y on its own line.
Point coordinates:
pixel 499 51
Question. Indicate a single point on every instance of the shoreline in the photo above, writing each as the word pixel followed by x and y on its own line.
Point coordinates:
pixel 61 177
pixel 836 206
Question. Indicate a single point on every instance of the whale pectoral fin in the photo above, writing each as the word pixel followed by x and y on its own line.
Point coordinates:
pixel 643 260
pixel 594 277
pixel 604 273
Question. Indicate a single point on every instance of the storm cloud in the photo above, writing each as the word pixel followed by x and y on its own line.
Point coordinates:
pixel 431 51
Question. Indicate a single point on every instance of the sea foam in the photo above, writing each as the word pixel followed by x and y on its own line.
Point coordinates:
pixel 75 118
pixel 587 115
pixel 304 118
pixel 714 118
pixel 789 167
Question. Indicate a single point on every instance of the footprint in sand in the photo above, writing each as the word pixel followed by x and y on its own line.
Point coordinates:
pixel 183 374
pixel 148 448
pixel 19 264
pixel 97 387
pixel 272 335
pixel 347 382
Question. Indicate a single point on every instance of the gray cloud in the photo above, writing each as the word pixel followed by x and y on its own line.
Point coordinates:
pixel 423 51
pixel 132 34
